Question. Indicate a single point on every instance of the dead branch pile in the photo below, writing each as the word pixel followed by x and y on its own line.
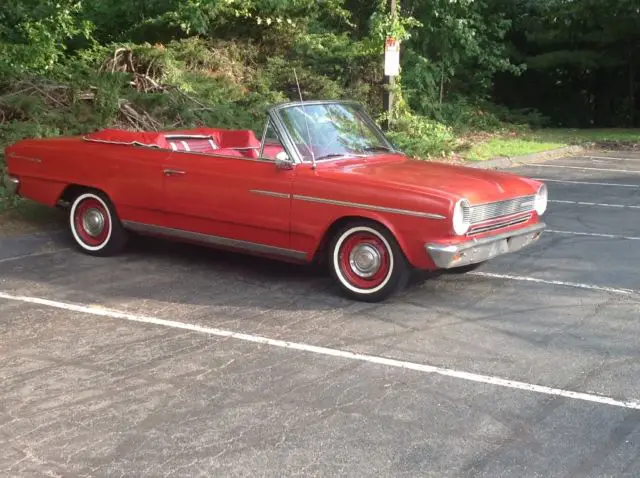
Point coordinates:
pixel 138 119
pixel 14 103
pixel 17 100
pixel 51 95
pixel 146 77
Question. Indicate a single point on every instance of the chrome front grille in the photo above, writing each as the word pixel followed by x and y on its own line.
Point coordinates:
pixel 494 227
pixel 466 214
pixel 494 210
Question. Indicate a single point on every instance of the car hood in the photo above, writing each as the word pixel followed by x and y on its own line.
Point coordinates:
pixel 477 185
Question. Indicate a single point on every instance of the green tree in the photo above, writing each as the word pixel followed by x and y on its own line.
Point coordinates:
pixel 582 58
pixel 34 34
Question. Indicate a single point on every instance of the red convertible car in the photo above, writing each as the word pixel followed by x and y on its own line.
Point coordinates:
pixel 322 184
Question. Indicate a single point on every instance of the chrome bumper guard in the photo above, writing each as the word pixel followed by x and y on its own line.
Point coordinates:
pixel 12 184
pixel 479 250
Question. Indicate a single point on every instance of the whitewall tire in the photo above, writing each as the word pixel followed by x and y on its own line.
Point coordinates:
pixel 366 262
pixel 94 225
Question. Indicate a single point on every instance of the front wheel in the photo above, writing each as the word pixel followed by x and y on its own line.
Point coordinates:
pixel 367 262
pixel 94 225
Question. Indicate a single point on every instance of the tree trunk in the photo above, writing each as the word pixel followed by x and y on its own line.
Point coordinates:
pixel 632 90
pixel 442 84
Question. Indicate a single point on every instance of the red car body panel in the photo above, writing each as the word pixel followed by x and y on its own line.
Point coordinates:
pixel 394 181
pixel 231 193
pixel 221 196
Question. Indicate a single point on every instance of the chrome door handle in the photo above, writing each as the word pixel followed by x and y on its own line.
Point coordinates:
pixel 173 172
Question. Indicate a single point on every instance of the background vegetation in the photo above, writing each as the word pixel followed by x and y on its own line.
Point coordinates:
pixel 469 67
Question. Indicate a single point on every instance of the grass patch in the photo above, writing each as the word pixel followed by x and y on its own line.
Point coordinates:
pixel 509 147
pixel 6 202
pixel 484 147
pixel 584 137
pixel 27 217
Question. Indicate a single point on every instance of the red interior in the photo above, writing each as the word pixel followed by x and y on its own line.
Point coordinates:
pixel 242 143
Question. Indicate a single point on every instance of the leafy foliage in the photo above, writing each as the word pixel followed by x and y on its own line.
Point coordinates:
pixel 34 33
pixel 582 58
pixel 68 66
pixel 420 137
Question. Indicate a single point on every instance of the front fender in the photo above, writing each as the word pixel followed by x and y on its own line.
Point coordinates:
pixel 411 234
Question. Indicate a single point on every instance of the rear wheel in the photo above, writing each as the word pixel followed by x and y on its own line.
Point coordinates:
pixel 94 225
pixel 367 262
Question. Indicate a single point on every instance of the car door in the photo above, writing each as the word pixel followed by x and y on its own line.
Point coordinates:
pixel 136 184
pixel 225 200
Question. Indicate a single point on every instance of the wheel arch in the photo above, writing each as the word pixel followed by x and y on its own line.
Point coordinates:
pixel 73 190
pixel 319 254
pixel 70 192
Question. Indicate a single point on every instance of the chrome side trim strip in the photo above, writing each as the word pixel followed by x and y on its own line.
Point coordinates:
pixel 26 158
pixel 370 207
pixel 214 240
pixel 270 193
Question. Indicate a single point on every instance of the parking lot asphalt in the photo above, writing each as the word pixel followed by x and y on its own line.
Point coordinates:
pixel 175 360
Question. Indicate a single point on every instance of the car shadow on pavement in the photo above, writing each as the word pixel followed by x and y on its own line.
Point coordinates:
pixel 156 269
pixel 215 287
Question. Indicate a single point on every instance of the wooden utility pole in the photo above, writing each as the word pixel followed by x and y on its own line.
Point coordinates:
pixel 389 77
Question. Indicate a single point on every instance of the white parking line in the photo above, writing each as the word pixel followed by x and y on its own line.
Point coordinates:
pixel 593 234
pixel 559 166
pixel 583 203
pixel 302 347
pixel 617 158
pixel 575 285
pixel 588 183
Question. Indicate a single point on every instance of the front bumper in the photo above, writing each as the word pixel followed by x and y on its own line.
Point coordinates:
pixel 12 184
pixel 447 256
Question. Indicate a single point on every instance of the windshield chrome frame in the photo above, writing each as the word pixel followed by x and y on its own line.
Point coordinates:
pixel 274 113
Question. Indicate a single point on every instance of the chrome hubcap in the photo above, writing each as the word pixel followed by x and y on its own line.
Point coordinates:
pixel 365 260
pixel 93 222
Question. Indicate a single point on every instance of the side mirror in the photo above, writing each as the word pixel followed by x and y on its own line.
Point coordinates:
pixel 283 161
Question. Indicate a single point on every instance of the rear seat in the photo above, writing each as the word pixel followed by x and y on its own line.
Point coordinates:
pixel 225 142
pixel 200 145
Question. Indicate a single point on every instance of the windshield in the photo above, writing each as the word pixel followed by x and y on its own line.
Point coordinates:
pixel 332 130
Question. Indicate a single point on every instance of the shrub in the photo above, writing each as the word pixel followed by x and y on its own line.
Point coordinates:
pixel 421 137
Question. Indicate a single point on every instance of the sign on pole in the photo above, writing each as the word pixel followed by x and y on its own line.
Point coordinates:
pixel 391 57
pixel 391 70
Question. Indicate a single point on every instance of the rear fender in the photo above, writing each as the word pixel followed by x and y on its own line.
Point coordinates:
pixel 44 168
pixel 42 191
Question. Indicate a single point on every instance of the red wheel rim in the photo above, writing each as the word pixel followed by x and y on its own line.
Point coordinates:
pixel 364 260
pixel 92 223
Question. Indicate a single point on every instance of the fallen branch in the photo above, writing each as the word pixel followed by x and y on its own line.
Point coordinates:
pixel 87 95
pixel 15 93
pixel 191 98
pixel 139 120
pixel 51 97
pixel 123 60
pixel 140 83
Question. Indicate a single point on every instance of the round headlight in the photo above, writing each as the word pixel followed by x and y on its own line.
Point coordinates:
pixel 461 217
pixel 541 200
